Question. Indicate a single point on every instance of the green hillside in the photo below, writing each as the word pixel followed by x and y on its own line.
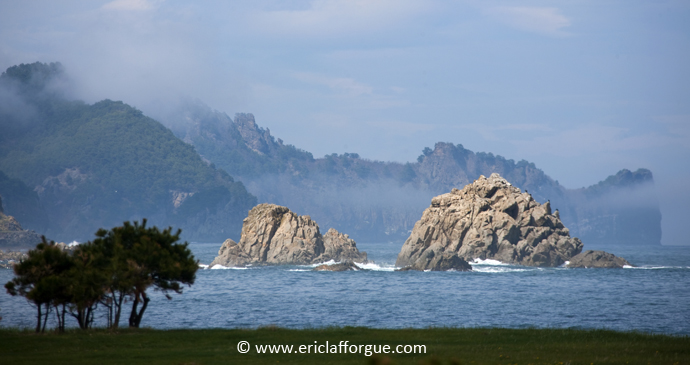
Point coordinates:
pixel 98 165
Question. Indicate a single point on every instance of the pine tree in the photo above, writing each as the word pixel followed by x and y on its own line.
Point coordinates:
pixel 40 278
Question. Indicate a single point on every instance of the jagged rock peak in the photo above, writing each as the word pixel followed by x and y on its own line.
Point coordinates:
pixel 272 234
pixel 256 138
pixel 489 219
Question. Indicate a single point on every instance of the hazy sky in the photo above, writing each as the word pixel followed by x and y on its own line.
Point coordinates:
pixel 581 88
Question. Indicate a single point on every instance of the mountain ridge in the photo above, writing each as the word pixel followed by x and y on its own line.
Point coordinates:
pixel 97 165
pixel 330 188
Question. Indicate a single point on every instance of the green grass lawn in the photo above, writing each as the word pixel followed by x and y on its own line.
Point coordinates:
pixel 443 346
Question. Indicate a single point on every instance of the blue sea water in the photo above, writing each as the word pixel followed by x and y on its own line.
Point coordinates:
pixel 652 297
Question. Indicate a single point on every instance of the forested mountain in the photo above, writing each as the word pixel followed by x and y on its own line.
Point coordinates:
pixel 374 200
pixel 94 166
pixel 623 208
pixel 68 168
pixel 23 203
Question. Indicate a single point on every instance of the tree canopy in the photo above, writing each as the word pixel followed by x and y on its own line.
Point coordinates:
pixel 123 262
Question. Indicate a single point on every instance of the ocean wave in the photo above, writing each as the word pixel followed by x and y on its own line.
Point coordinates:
pixel 329 263
pixel 650 267
pixel 375 267
pixel 502 269
pixel 202 266
pixel 371 266
pixel 488 262
pixel 221 267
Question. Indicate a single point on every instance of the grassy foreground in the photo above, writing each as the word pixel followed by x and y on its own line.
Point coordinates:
pixel 443 346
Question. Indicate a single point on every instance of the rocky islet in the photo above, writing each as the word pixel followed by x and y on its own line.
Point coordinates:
pixel 488 219
pixel 491 219
pixel 272 234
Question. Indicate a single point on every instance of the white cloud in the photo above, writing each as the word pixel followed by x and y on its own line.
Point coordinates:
pixel 592 140
pixel 131 5
pixel 325 18
pixel 548 21
pixel 341 85
pixel 360 94
pixel 676 125
pixel 498 132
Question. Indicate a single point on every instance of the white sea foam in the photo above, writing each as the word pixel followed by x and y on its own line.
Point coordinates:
pixel 221 267
pixel 501 269
pixel 329 263
pixel 203 266
pixel 374 267
pixel 647 267
pixel 311 266
pixel 488 262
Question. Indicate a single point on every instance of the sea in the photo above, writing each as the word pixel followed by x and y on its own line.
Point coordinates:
pixel 652 297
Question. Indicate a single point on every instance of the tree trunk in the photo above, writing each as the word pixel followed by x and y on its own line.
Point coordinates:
pixel 135 316
pixel 57 315
pixel 143 308
pixel 63 318
pixel 80 318
pixel 118 310
pixel 89 317
pixel 45 319
pixel 39 316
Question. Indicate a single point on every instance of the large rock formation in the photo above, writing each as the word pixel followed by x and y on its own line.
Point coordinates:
pixel 272 234
pixel 12 235
pixel 489 219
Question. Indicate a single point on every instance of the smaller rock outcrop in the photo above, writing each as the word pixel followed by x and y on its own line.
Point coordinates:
pixel 431 261
pixel 597 259
pixel 341 266
pixel 230 255
pixel 12 235
pixel 339 246
pixel 272 234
